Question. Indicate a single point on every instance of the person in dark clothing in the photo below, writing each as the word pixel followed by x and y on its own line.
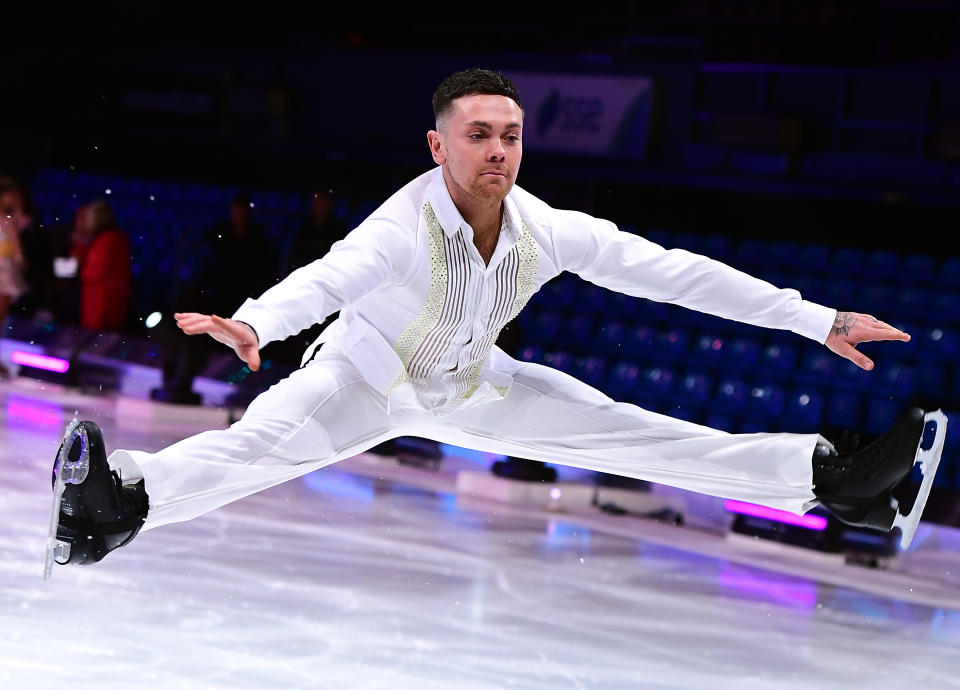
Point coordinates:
pixel 320 229
pixel 237 262
pixel 38 255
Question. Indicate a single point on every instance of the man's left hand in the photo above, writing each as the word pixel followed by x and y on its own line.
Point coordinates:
pixel 850 329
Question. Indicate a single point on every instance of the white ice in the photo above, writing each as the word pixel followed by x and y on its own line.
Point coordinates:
pixel 341 580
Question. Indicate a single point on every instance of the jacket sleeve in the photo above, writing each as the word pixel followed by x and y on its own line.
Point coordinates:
pixel 597 251
pixel 376 254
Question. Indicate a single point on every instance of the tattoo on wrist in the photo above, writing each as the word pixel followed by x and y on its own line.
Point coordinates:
pixel 843 323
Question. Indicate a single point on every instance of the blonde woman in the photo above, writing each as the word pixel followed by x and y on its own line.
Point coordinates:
pixel 11 256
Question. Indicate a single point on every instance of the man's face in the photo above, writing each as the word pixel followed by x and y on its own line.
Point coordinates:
pixel 479 145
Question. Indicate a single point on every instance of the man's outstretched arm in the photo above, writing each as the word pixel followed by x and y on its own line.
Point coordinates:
pixel 850 329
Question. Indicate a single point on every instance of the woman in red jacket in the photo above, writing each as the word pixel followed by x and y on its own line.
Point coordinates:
pixel 103 251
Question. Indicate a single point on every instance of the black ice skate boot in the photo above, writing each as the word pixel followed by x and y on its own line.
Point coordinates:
pixel 855 485
pixel 93 513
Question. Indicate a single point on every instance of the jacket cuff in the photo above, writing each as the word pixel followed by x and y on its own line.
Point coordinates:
pixel 263 323
pixel 814 321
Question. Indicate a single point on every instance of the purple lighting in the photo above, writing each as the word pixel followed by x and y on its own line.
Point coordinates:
pixel 809 521
pixel 32 359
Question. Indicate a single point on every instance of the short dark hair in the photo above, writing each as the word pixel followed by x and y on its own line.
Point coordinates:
pixel 470 82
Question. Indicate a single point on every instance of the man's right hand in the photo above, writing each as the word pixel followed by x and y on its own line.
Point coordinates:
pixel 235 334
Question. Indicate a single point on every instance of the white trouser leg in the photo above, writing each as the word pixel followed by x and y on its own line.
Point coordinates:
pixel 553 417
pixel 318 415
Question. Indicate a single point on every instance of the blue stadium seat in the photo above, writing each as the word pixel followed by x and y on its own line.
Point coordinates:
pixel 731 395
pixel 784 254
pixel 810 286
pixel 949 274
pixel 803 412
pixel 849 376
pixel 622 307
pixel 946 307
pixel 909 302
pixel 765 403
pixel 560 360
pixel 622 381
pixel 650 313
pixel 590 370
pixel 774 276
pixel 543 327
pixel 744 353
pixel 898 380
pixel 716 247
pixel 640 342
pixel 672 344
pixel 723 422
pixel 695 388
pixel 819 365
pixel 753 425
pixel 659 236
pixel 840 291
pixel 779 359
pixel 940 344
pixel 687 240
pixel 559 295
pixel 532 353
pixel 685 410
pixel 709 349
pixel 749 253
pixel 575 332
pixel 590 298
pixel 875 299
pixel 813 257
pixel 844 410
pixel 849 261
pixel 881 414
pixel 610 336
pixel 917 269
pixel 931 380
pixel 882 264
pixel 656 383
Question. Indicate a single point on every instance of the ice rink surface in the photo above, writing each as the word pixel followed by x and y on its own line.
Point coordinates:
pixel 339 580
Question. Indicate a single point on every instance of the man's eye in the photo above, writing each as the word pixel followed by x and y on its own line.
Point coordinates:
pixel 476 137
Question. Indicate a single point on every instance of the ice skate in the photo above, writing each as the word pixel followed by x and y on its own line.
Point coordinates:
pixel 856 485
pixel 93 513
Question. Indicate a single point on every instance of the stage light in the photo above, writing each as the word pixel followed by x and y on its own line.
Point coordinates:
pixel 814 522
pixel 555 493
pixel 153 319
pixel 32 359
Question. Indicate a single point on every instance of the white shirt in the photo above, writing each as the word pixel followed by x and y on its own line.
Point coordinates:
pixel 420 311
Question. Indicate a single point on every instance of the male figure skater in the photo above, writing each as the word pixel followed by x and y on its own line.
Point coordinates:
pixel 423 287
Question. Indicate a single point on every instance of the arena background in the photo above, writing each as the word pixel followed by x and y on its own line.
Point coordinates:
pixel 813 144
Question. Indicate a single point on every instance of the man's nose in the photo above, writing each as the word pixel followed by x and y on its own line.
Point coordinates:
pixel 497 152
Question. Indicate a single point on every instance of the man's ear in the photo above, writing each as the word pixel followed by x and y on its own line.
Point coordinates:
pixel 435 142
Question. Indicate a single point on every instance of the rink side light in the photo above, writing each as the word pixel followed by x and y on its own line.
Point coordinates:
pixel 815 522
pixel 32 359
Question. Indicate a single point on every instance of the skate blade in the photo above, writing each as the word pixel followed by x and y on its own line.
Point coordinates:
pixel 928 460
pixel 66 472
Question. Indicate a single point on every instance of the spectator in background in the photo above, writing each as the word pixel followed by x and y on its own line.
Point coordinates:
pixel 320 229
pixel 241 262
pixel 12 285
pixel 17 203
pixel 237 262
pixel 103 252
pixel 313 239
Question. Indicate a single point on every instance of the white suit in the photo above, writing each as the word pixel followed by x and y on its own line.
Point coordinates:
pixel 412 354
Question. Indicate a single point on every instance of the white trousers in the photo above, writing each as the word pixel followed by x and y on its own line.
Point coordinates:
pixel 325 412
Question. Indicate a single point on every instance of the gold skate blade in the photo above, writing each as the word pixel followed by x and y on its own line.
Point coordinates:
pixel 928 460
